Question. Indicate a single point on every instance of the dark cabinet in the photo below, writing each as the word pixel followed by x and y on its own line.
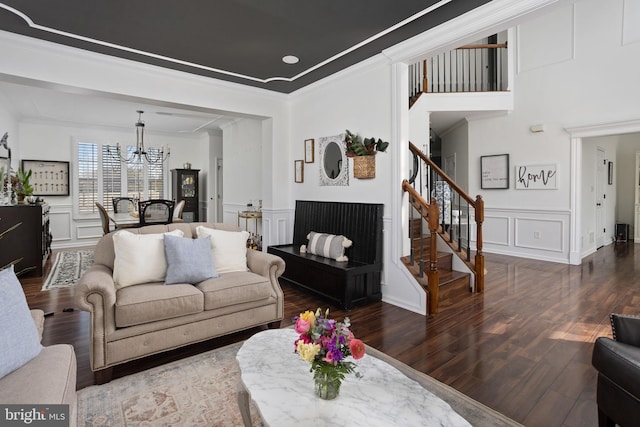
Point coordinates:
pixel 184 185
pixel 25 240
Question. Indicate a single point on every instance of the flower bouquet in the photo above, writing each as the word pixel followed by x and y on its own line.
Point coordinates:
pixel 326 344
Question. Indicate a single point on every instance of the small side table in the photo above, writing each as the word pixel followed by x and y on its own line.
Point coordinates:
pixel 249 215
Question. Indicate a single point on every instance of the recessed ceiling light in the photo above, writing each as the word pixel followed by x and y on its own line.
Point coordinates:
pixel 290 59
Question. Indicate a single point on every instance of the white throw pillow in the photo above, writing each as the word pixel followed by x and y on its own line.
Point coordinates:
pixel 228 248
pixel 140 258
pixel 328 245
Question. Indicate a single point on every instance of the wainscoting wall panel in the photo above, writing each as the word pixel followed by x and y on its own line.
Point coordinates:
pixel 495 230
pixel 60 224
pixel 537 234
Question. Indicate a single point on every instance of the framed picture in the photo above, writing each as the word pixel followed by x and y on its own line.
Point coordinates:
pixel 48 178
pixel 308 150
pixel 494 171
pixel 610 173
pixel 298 171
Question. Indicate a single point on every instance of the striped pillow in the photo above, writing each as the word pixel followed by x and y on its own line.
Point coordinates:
pixel 328 245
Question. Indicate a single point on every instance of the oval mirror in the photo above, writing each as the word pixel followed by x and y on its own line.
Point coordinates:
pixel 334 168
pixel 332 160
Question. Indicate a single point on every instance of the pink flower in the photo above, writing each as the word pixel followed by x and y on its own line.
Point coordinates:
pixel 328 358
pixel 302 326
pixel 357 348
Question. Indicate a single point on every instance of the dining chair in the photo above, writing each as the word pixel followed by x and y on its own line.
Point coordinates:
pixel 155 211
pixel 177 211
pixel 104 217
pixel 124 204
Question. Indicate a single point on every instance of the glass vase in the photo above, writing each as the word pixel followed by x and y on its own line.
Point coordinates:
pixel 327 386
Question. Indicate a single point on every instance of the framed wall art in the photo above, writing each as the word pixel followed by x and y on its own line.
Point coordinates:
pixel 48 178
pixel 494 171
pixel 298 171
pixel 537 177
pixel 308 150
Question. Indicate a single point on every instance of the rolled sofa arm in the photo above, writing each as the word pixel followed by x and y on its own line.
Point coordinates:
pixel 265 264
pixel 619 362
pixel 96 293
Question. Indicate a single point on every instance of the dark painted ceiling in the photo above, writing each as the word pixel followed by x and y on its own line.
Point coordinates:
pixel 241 41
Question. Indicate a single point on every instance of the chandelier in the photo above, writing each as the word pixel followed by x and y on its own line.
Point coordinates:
pixel 152 156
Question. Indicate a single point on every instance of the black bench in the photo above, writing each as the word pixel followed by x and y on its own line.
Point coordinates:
pixel 351 283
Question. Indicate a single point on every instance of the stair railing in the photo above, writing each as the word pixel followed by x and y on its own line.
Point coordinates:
pixel 427 212
pixel 469 68
pixel 457 211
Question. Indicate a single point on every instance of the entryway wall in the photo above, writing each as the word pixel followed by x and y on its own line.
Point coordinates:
pixel 621 150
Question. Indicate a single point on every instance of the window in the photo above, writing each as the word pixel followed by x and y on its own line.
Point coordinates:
pixel 102 177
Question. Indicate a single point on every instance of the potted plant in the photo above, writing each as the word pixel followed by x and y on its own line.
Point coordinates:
pixel 23 186
pixel 363 152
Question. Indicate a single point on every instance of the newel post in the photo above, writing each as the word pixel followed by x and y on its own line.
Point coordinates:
pixel 432 275
pixel 479 213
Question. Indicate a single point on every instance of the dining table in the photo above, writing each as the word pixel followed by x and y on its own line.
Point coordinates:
pixel 125 219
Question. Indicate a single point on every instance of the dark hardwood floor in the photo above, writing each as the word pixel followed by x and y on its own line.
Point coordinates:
pixel 523 347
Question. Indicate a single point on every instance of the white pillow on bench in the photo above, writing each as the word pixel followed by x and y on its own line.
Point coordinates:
pixel 328 245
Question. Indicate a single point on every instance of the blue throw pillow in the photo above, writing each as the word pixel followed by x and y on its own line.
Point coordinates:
pixel 188 260
pixel 19 339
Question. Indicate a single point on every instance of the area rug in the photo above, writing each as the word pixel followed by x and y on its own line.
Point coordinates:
pixel 67 269
pixel 197 391
pixel 202 391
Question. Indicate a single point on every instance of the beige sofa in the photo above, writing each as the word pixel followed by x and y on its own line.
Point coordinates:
pixel 136 321
pixel 49 378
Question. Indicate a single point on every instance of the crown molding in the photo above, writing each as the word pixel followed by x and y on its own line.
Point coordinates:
pixel 496 15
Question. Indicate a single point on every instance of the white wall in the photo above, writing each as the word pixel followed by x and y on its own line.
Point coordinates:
pixel 242 153
pixel 9 123
pixel 360 100
pixel 455 142
pixel 54 141
pixel 586 76
pixel 625 177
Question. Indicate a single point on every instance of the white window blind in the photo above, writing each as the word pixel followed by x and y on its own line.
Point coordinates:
pixel 87 178
pixel 102 176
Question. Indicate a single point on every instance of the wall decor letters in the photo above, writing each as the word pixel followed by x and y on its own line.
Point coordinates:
pixel 537 177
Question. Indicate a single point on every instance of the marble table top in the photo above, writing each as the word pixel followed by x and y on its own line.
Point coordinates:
pixel 282 388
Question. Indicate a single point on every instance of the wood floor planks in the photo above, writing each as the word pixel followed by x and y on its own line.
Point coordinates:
pixel 523 347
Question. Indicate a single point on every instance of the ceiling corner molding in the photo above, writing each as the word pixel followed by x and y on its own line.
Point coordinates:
pixel 357 68
pixel 495 15
pixel 604 129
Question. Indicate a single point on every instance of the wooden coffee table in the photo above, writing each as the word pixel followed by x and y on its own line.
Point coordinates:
pixel 282 387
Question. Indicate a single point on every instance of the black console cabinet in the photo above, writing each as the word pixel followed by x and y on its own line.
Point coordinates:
pixel 26 239
pixel 184 184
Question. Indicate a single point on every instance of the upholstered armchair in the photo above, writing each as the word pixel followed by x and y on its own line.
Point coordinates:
pixel 618 365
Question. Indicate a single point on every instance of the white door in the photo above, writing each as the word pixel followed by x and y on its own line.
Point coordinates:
pixel 600 198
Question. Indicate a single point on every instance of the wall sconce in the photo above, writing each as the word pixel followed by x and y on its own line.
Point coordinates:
pixel 537 128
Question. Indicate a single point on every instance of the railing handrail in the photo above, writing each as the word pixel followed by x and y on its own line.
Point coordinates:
pixel 477 205
pixel 415 150
pixel 483 46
